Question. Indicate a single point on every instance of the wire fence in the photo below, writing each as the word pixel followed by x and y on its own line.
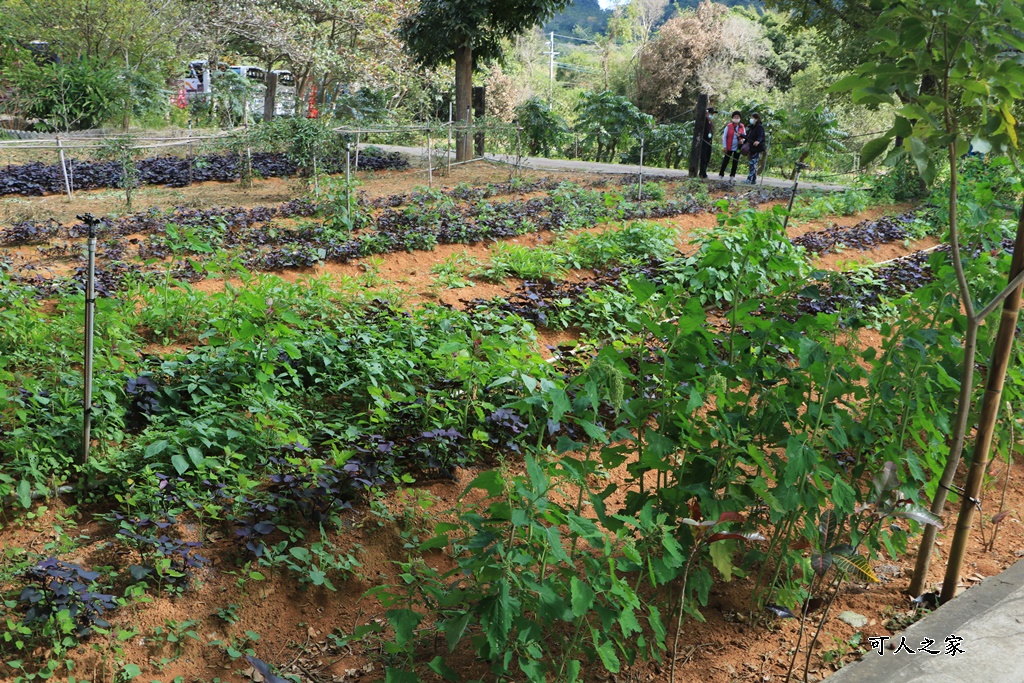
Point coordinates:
pixel 432 144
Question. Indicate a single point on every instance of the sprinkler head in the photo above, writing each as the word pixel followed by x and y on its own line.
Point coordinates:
pixel 91 221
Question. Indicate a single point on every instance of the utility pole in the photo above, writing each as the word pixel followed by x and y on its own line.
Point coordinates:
pixel 698 134
pixel 551 67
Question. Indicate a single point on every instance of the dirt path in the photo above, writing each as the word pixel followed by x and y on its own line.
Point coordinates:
pixel 574 166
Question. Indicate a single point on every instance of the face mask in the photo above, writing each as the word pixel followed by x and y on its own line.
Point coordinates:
pixel 735 120
pixel 751 121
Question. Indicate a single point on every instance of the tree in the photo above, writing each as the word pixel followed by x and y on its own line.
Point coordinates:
pixel 330 43
pixel 844 25
pixel 543 128
pixel 605 119
pixel 132 33
pixel 63 96
pixel 736 63
pixel 710 50
pixel 970 53
pixel 666 72
pixel 646 14
pixel 469 32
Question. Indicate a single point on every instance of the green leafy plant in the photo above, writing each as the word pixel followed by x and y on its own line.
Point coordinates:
pixel 174 634
pixel 522 579
pixel 515 260
pixel 313 565
pixel 122 150
pixel 452 273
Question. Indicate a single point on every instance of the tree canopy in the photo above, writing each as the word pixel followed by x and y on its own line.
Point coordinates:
pixel 439 27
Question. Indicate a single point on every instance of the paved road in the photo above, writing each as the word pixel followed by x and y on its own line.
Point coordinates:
pixel 986 623
pixel 542 164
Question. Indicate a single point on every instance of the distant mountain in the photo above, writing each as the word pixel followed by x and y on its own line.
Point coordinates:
pixel 586 14
pixel 692 4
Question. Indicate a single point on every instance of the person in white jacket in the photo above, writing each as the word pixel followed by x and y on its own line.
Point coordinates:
pixel 731 143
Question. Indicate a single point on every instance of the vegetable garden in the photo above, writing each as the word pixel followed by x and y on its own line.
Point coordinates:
pixel 446 498
pixel 337 426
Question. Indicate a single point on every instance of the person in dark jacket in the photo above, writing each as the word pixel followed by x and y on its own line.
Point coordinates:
pixel 705 146
pixel 731 136
pixel 754 138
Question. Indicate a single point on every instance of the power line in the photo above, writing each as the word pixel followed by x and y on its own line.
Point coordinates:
pixel 583 40
pixel 574 67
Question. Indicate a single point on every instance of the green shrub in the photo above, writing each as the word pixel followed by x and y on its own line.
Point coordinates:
pixel 543 129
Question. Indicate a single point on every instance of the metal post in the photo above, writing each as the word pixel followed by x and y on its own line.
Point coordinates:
pixel 348 178
pixel 357 153
pixel 190 156
pixel 90 315
pixel 430 162
pixel 796 177
pixel 640 180
pixel 63 167
pixel 316 179
pixel 448 148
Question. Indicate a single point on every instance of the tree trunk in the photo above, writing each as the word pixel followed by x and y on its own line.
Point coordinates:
pixel 927 544
pixel 463 100
pixel 987 421
pixel 924 551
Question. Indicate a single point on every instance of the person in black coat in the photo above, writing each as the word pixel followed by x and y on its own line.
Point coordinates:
pixel 754 138
pixel 705 145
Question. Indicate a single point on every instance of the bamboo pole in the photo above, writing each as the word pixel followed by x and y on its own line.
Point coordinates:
pixel 348 179
pixel 248 153
pixel 63 167
pixel 448 146
pixel 991 402
pixel 90 316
